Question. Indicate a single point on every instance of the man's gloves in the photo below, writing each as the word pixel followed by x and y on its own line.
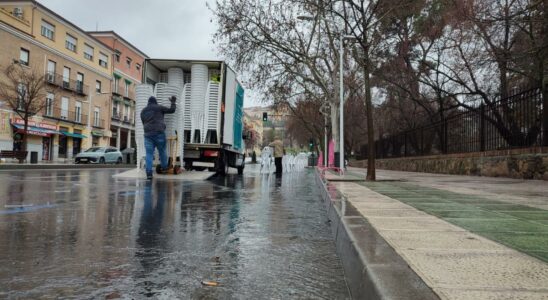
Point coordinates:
pixel 173 99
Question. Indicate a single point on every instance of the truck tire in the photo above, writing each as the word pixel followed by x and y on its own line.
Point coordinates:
pixel 241 169
pixel 220 164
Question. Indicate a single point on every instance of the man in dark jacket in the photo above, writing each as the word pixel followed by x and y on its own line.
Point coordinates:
pixel 152 117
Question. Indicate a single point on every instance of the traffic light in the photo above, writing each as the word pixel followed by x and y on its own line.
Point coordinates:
pixel 311 144
pixel 265 117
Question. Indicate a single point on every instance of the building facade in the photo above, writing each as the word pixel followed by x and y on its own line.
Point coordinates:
pixel 77 67
pixel 127 62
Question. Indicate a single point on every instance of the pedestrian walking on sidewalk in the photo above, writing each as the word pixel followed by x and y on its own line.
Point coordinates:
pixel 152 117
pixel 278 147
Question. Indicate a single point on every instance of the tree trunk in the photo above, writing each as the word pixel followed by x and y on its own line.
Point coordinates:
pixel 335 125
pixel 25 137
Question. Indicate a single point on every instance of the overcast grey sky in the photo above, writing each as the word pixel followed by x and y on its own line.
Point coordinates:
pixel 161 29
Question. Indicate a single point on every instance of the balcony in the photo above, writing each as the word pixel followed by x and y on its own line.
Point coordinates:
pixel 123 119
pixel 120 90
pixel 127 120
pixel 67 84
pixel 98 123
pixel 66 115
pixel 116 116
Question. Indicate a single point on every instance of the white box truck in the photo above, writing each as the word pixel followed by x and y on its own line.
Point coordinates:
pixel 212 117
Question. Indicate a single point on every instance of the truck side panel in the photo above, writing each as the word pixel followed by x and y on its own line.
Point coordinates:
pixel 238 117
pixel 230 101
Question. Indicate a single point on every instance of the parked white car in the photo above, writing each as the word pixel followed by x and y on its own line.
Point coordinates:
pixel 99 155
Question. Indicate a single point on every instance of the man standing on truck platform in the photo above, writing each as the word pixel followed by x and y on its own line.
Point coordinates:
pixel 152 117
pixel 278 148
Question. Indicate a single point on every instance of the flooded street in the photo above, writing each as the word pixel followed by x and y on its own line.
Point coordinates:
pixel 84 234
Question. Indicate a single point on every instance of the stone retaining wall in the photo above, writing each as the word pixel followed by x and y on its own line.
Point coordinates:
pixel 523 163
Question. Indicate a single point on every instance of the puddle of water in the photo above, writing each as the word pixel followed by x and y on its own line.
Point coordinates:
pixel 257 236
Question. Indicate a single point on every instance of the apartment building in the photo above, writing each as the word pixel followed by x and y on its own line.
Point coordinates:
pixel 127 63
pixel 77 115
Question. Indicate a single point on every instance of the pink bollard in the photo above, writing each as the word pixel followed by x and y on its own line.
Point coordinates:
pixel 331 154
pixel 320 160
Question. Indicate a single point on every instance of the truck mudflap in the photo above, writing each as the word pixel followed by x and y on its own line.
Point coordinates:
pixel 239 161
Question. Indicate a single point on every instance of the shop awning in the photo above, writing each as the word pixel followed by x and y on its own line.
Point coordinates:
pixel 35 130
pixel 97 133
pixel 74 135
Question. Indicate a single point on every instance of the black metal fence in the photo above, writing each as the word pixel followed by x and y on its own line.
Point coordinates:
pixel 514 122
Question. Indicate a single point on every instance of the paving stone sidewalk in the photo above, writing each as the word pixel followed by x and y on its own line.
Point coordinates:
pixel 466 237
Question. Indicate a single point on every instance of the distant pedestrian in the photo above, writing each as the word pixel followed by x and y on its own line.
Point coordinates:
pixel 278 147
pixel 152 117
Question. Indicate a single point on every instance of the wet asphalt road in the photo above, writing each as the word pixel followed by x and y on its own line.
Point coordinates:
pixel 82 234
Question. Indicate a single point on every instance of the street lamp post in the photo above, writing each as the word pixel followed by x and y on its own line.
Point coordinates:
pixel 341 102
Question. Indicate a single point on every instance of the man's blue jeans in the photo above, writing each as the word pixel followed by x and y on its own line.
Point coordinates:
pixel 157 141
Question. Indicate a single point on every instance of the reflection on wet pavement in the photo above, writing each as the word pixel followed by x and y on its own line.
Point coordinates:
pixel 84 234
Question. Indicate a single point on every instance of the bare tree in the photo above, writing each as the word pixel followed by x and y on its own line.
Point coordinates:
pixel 24 91
pixel 285 49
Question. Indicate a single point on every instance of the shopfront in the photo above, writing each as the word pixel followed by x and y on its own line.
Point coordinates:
pixel 62 151
pixel 46 148
pixel 40 136
pixel 76 137
pixel 96 138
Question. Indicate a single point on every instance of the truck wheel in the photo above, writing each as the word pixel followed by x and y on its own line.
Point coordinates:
pixel 221 164
pixel 241 170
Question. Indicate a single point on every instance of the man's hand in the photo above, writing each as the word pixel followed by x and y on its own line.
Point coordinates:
pixel 173 99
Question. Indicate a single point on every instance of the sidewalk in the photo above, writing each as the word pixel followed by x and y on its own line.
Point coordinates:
pixel 466 237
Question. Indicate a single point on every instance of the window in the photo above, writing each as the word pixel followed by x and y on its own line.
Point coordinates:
pixel 126 113
pixel 70 43
pixel 51 71
pixel 117 55
pixel 66 77
pixel 48 30
pixel 96 114
pixel 128 62
pixel 80 82
pixel 88 52
pixel 138 67
pixel 78 112
pixel 49 104
pixel 116 84
pixel 64 108
pixel 24 57
pixel 103 59
pixel 98 86
pixel 115 110
pixel 127 89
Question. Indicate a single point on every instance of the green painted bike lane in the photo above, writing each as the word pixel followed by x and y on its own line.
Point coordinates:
pixel 520 227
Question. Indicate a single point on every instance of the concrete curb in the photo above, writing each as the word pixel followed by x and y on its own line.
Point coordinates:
pixel 372 268
pixel 61 167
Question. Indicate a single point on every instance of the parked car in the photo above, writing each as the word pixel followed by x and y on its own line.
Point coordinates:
pixel 99 155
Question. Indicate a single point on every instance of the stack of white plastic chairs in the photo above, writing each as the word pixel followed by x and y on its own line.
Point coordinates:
pixel 142 92
pixel 212 111
pixel 199 77
pixel 285 163
pixel 266 161
pixel 187 124
pixel 301 161
pixel 198 105
pixel 176 78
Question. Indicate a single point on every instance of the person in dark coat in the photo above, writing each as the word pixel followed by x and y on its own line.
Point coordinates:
pixel 152 117
pixel 279 152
